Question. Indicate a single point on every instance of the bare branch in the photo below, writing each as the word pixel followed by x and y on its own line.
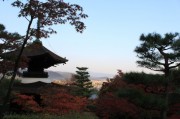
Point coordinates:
pixel 174 66
pixel 170 63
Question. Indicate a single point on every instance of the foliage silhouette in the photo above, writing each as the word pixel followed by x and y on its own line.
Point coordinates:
pixel 138 90
pixel 160 54
pixel 51 12
pixel 83 81
pixel 8 42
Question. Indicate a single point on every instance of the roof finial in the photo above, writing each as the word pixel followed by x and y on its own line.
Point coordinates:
pixel 38 32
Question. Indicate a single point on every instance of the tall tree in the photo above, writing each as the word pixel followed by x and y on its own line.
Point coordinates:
pixel 49 13
pixel 83 81
pixel 160 54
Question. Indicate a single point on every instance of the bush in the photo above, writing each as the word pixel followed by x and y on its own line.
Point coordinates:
pixel 130 97
pixel 4 84
pixel 140 98
pixel 143 78
pixel 54 100
pixel 26 103
pixel 62 102
pixel 111 107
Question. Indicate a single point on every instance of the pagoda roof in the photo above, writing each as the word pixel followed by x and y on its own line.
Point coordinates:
pixel 37 50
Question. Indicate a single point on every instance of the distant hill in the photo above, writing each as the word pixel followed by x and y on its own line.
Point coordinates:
pixel 100 75
pixel 63 76
pixel 58 75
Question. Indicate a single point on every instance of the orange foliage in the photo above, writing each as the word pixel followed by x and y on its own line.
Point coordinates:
pixel 110 106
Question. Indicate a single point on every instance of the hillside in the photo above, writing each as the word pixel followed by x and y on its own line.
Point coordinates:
pixel 64 78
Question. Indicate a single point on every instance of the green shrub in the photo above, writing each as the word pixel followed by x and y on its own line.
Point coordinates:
pixel 143 78
pixel 142 99
pixel 4 84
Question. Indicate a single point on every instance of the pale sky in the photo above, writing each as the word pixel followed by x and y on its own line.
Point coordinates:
pixel 112 33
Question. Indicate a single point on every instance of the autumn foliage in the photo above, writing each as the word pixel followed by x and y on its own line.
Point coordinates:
pixel 56 102
pixel 111 107
pixel 136 96
pixel 26 103
pixel 118 98
pixel 62 102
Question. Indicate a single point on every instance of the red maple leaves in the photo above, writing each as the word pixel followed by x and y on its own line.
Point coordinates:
pixel 58 102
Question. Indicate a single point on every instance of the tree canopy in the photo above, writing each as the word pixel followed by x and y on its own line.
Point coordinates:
pixel 8 42
pixel 159 53
pixel 51 12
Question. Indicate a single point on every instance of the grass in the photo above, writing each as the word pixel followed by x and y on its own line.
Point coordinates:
pixel 85 115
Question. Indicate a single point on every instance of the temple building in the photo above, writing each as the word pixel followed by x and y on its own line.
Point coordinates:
pixel 38 59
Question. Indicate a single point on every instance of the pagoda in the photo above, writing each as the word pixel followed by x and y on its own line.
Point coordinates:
pixel 40 58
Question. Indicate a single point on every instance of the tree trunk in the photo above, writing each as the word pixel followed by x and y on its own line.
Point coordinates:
pixel 16 67
pixel 166 98
pixel 2 78
pixel 164 113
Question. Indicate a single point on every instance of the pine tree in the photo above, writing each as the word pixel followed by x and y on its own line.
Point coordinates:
pixel 83 81
pixel 160 54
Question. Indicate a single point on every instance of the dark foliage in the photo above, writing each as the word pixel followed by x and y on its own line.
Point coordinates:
pixel 147 99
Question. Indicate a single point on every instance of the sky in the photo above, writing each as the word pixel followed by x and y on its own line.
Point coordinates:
pixel 112 32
